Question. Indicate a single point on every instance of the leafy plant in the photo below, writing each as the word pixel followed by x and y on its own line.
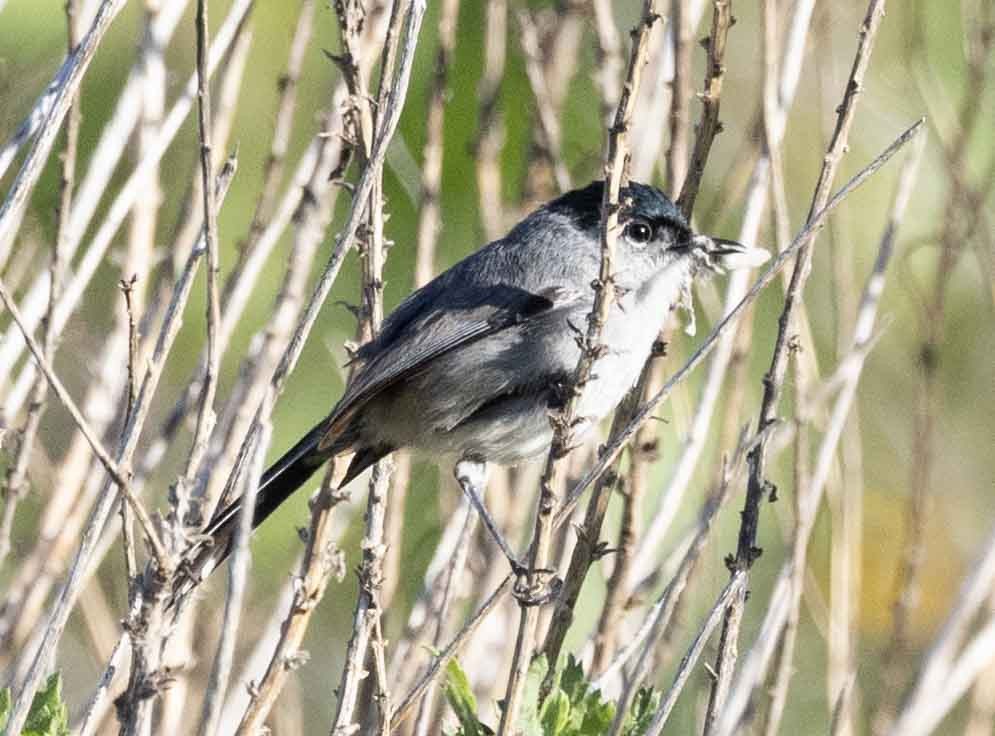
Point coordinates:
pixel 48 716
pixel 574 707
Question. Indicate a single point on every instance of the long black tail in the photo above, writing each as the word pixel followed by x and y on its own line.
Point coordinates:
pixel 277 484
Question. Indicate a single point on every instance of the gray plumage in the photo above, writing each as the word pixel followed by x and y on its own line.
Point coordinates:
pixel 468 366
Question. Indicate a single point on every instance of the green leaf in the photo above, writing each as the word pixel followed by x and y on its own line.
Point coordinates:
pixel 460 696
pixel 5 706
pixel 555 715
pixel 598 715
pixel 48 716
pixel 572 680
pixel 528 720
pixel 644 707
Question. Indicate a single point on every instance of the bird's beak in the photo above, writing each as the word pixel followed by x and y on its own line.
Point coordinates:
pixel 728 255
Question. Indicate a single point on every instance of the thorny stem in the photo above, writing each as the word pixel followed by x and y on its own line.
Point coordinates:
pixel 709 125
pixel 321 561
pixel 565 423
pixel 757 486
pixel 368 610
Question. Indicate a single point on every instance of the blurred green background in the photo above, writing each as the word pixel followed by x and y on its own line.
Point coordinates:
pixel 918 68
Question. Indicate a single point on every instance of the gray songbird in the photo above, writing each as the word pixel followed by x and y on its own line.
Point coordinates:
pixel 469 366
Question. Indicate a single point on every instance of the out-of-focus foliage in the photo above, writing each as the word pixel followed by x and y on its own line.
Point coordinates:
pixel 49 715
pixel 573 707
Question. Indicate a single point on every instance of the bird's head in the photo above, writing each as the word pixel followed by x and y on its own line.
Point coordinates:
pixel 654 234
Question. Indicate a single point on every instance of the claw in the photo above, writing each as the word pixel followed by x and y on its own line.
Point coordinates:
pixel 536 587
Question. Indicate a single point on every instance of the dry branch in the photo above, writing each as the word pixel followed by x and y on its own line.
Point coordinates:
pixel 758 486
pixel 59 614
pixel 788 589
pixel 564 424
pixel 64 89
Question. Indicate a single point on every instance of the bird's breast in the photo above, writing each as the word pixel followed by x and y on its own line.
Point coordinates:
pixel 636 318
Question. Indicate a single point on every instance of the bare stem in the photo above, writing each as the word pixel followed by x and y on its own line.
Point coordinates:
pixel 564 424
pixel 709 125
pixel 91 536
pixel 758 487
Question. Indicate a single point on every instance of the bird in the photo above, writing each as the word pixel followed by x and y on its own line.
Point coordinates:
pixel 469 366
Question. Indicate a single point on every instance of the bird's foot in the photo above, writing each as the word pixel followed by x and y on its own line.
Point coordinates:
pixel 535 587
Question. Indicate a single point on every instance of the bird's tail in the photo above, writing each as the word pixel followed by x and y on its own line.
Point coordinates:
pixel 276 485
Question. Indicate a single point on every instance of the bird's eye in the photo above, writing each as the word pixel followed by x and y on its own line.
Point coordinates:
pixel 638 232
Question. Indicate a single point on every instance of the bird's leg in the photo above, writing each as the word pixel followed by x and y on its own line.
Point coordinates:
pixel 472 478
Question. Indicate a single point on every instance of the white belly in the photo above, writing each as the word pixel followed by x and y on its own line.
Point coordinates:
pixel 633 325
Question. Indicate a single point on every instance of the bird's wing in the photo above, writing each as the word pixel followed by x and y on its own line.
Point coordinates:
pixel 421 330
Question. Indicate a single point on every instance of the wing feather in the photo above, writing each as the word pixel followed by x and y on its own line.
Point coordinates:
pixel 468 315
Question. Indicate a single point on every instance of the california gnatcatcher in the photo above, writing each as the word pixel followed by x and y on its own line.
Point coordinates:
pixel 468 366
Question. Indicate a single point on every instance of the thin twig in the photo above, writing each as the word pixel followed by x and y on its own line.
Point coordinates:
pixel 66 83
pixel 368 610
pixel 709 125
pixel 321 561
pixel 735 588
pixel 59 614
pixel 448 579
pixel 99 702
pixel 210 721
pixel 407 705
pixel 662 613
pixel 758 487
pixel 564 423
pixel 450 552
